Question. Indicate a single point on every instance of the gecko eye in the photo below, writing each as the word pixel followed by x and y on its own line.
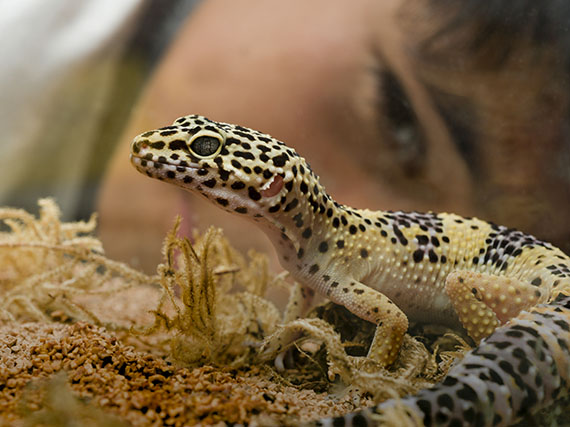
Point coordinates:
pixel 205 146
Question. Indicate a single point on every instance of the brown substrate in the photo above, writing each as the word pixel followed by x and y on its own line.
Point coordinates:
pixel 134 386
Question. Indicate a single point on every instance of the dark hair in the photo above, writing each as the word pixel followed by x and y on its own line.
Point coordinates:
pixel 499 27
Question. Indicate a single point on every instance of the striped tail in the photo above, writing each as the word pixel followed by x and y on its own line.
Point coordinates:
pixel 522 367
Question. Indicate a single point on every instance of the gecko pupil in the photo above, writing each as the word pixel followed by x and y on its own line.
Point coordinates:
pixel 205 145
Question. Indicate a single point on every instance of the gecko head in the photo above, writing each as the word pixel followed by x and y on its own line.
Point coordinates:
pixel 239 169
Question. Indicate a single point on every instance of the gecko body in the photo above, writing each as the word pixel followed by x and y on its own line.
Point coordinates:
pixel 383 266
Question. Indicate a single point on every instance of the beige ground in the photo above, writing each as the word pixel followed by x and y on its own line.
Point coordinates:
pixel 88 341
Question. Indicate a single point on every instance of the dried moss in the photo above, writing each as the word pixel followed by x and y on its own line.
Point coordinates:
pixel 210 309
pixel 45 263
pixel 213 320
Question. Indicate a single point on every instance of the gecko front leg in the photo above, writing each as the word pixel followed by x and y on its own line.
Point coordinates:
pixel 373 306
pixel 300 301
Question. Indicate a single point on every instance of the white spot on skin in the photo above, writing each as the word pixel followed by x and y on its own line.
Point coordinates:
pixel 267 184
pixel 241 175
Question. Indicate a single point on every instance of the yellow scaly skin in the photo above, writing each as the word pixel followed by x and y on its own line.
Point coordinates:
pixel 382 266
pixel 433 267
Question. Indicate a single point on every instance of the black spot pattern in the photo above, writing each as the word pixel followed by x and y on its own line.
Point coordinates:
pixel 178 145
pixel 561 270
pixel 253 194
pixel 211 183
pixel 503 244
pixel 280 160
pixel 428 222
pixel 515 356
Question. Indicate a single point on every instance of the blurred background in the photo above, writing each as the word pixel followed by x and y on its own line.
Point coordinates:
pixel 440 105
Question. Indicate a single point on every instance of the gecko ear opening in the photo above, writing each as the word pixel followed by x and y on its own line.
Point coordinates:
pixel 274 187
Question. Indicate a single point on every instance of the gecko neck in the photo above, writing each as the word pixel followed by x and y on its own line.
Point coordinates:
pixel 299 228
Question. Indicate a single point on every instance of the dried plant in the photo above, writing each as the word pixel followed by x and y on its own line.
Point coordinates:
pixel 216 299
pixel 46 262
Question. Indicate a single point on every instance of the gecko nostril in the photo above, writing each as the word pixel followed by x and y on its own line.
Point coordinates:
pixel 141 144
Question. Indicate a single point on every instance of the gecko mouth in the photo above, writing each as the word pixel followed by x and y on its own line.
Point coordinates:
pixel 272 187
pixel 181 175
pixel 148 161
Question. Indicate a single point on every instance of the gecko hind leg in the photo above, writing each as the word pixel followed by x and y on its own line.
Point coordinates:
pixel 485 301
